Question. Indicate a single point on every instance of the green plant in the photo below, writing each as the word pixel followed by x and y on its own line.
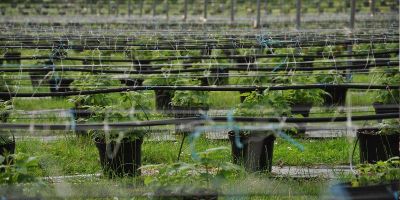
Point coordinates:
pixel 266 104
pixel 389 127
pixel 390 96
pixel 330 77
pixel 20 171
pixel 304 96
pixel 5 108
pixel 206 171
pixel 380 173
pixel 190 98
pixel 134 106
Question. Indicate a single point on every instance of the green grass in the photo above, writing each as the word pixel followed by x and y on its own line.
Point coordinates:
pixel 66 156
pixel 71 155
pixel 41 103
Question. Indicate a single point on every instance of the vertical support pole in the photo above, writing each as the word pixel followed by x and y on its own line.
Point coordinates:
pixel 141 7
pixel 352 13
pixel 258 19
pixel 109 7
pixel 154 8
pixel 205 9
pixel 129 8
pixel 185 10
pixel 91 7
pixel 372 7
pixel 167 9
pixel 265 7
pixel 350 46
pixel 298 14
pixel 116 7
pixel 348 71
pixel 232 11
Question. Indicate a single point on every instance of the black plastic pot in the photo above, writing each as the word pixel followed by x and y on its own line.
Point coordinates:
pixel 132 81
pixel 60 85
pixel 219 76
pixel 198 194
pixel 84 114
pixel 376 147
pixel 16 57
pixel 381 108
pixel 336 96
pixel 183 112
pixel 303 110
pixel 372 192
pixel 163 99
pixel 120 159
pixel 382 56
pixel 81 113
pixel 257 150
pixel 307 59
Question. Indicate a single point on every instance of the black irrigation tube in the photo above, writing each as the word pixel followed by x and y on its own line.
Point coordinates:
pixel 177 121
pixel 154 70
pixel 197 88
pixel 200 57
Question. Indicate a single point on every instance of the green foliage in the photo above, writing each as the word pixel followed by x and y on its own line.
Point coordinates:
pixel 208 168
pixel 190 98
pixel 158 80
pixel 390 96
pixel 380 173
pixel 330 77
pixel 6 83
pixel 20 171
pixel 389 127
pixel 5 108
pixel 266 104
pixel 135 107
pixel 87 81
pixel 304 96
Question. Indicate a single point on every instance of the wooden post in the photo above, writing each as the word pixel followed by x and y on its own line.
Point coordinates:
pixel 298 14
pixel 116 8
pixel 109 7
pixel 232 11
pixel 205 9
pixel 372 7
pixel 265 7
pixel 167 9
pixel 141 7
pixel 258 19
pixel 352 13
pixel 185 10
pixel 154 8
pixel 129 8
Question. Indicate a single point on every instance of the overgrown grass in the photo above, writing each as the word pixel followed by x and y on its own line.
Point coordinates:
pixel 74 155
pixel 41 103
pixel 66 156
